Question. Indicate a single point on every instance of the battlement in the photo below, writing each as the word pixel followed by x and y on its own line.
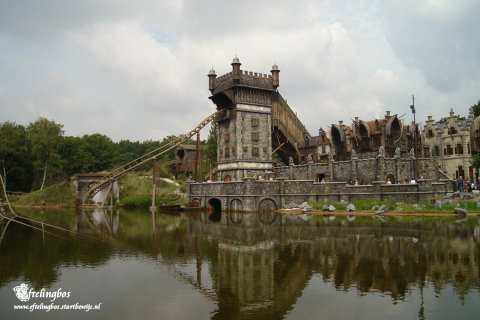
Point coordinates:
pixel 247 78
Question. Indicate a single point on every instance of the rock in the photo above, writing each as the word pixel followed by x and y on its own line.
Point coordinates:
pixel 343 201
pixel 306 207
pixel 375 208
pixel 351 207
pixel 331 208
pixel 447 201
pixel 416 206
pixel 467 196
pixel 382 208
pixel 438 204
pixel 460 211
pixel 325 207
pixel 303 205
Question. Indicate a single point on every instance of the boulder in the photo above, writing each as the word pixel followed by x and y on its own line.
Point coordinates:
pixel 461 211
pixel 351 207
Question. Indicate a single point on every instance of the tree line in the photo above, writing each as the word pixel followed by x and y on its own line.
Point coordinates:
pixel 39 154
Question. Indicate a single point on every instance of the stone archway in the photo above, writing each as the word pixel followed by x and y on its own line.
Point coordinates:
pixel 236 205
pixel 391 177
pixel 216 209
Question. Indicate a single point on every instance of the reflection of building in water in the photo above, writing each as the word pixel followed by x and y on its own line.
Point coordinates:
pixel 100 221
pixel 248 271
pixel 387 256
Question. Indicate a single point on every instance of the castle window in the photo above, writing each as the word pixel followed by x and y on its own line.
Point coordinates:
pixel 426 151
pixel 255 136
pixel 459 149
pixel 255 151
pixel 227 137
pixel 449 150
pixel 436 151
pixel 430 133
pixel 452 130
pixel 255 122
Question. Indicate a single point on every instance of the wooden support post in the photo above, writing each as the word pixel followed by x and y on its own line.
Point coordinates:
pixel 154 185
pixel 195 166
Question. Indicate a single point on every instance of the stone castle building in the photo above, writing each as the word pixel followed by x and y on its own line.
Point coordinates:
pixel 257 128
pixel 449 142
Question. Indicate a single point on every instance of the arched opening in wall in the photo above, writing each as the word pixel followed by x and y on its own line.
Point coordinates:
pixel 393 132
pixel 266 211
pixel 338 140
pixel 391 177
pixel 364 137
pixel 236 205
pixel 267 217
pixel 180 154
pixel 460 172
pixel 216 210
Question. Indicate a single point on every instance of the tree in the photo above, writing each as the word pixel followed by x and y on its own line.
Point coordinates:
pixel 15 157
pixel 476 109
pixel 45 137
pixel 74 158
pixel 101 152
pixel 475 161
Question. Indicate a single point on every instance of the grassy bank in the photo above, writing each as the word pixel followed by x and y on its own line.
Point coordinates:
pixel 135 192
pixel 368 204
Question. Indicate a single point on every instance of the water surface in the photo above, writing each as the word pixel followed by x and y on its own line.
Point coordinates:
pixel 241 266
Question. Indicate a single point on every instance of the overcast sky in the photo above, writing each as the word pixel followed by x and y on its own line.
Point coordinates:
pixel 138 69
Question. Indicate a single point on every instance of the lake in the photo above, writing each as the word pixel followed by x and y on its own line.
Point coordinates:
pixel 119 264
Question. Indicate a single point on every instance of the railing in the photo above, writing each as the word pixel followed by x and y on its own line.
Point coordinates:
pixel 124 169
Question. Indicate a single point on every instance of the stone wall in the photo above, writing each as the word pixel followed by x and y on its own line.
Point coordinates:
pixel 250 194
pixel 365 171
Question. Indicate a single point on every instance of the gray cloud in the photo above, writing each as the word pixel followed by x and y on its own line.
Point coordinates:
pixel 137 70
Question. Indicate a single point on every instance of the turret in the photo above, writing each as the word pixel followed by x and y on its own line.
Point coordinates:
pixel 275 76
pixel 211 80
pixel 236 69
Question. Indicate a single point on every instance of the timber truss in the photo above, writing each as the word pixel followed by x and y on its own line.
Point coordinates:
pixel 119 172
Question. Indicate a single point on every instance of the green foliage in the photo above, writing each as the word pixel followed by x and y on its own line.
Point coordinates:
pixel 475 161
pixel 45 138
pixel 57 194
pixel 476 109
pixel 16 162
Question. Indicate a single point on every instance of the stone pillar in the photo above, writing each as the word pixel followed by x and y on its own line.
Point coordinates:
pixel 424 189
pixel 377 187
pixel 281 191
pixel 330 169
pixel 249 192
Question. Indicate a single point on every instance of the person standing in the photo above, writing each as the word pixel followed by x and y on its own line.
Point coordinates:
pixel 460 184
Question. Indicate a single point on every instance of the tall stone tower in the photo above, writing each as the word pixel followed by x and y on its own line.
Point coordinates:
pixel 244 131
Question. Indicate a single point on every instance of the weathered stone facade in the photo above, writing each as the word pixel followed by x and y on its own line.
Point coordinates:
pixel 254 111
pixel 448 143
pixel 346 163
pixel 252 195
